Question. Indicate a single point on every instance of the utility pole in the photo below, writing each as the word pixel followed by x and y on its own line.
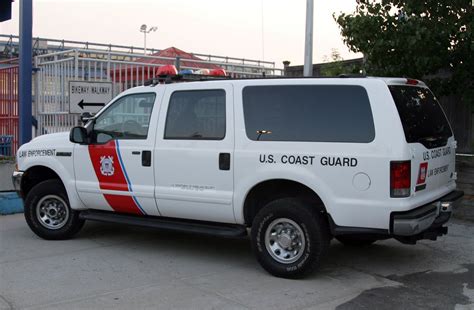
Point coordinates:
pixel 26 70
pixel 308 44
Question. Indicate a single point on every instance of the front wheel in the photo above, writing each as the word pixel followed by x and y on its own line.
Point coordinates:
pixel 289 238
pixel 48 213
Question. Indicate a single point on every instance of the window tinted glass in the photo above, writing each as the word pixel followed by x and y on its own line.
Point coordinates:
pixel 319 113
pixel 196 115
pixel 422 118
pixel 126 118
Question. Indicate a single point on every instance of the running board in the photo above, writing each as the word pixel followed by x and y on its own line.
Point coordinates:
pixel 163 223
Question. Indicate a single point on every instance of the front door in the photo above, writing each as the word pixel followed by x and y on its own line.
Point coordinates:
pixel 115 172
pixel 194 153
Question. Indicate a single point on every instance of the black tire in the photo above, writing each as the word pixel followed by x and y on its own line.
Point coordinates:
pixel 315 231
pixel 355 241
pixel 68 227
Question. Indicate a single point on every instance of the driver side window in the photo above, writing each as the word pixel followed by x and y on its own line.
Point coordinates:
pixel 126 118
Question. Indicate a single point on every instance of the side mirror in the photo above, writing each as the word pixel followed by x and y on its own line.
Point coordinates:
pixel 78 135
pixel 86 116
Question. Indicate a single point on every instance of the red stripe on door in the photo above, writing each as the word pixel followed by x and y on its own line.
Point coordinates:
pixel 122 204
pixel 106 163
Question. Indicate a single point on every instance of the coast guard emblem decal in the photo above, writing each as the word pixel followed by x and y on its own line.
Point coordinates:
pixel 107 165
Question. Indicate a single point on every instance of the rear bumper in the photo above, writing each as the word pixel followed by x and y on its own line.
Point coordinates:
pixel 428 218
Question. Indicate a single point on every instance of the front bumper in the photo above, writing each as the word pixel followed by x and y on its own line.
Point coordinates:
pixel 16 179
pixel 428 218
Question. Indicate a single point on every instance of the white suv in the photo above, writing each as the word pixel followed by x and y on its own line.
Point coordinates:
pixel 296 161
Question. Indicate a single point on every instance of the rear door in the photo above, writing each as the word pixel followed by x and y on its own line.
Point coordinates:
pixel 429 136
pixel 194 152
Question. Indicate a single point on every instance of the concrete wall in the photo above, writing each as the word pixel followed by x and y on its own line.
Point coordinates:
pixel 460 116
pixel 6 171
pixel 465 170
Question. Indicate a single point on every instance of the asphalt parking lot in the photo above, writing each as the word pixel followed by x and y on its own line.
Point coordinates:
pixel 122 267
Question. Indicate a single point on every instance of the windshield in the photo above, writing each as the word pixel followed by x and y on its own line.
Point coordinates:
pixel 422 118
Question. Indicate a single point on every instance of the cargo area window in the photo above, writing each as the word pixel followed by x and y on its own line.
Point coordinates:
pixel 314 113
pixel 127 118
pixel 196 115
pixel 421 115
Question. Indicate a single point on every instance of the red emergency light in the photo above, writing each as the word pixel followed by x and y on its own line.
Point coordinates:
pixel 218 72
pixel 167 70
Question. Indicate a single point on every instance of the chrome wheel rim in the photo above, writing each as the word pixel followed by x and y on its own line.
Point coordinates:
pixel 285 240
pixel 52 212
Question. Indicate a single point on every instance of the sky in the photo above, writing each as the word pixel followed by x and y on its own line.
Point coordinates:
pixel 270 30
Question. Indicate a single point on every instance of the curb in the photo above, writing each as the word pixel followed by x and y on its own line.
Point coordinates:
pixel 10 203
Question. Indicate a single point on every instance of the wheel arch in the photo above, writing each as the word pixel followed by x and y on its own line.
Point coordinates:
pixel 36 173
pixel 268 190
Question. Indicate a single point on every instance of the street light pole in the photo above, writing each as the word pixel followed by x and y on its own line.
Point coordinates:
pixel 145 30
pixel 308 45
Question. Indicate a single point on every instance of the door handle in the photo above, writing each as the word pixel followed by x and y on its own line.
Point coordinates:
pixel 135 152
pixel 224 161
pixel 146 158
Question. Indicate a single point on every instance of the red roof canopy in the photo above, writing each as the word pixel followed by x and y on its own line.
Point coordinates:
pixel 133 73
pixel 186 59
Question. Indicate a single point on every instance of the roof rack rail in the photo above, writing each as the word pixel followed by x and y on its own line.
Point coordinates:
pixel 351 75
pixel 168 79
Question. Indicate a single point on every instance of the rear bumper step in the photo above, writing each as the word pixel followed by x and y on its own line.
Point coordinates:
pixel 425 220
pixel 170 224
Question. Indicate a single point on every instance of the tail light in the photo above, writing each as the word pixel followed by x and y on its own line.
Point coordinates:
pixel 400 178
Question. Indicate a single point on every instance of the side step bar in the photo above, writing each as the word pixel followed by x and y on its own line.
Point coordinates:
pixel 163 223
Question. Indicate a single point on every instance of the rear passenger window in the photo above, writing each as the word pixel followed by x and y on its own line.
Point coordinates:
pixel 422 118
pixel 196 115
pixel 315 113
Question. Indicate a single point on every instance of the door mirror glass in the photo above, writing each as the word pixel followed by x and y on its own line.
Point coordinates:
pixel 78 135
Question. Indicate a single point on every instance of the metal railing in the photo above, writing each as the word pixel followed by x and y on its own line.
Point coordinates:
pixel 48 45
pixel 123 70
pixel 8 107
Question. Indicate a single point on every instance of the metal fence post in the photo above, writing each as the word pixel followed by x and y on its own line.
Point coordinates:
pixel 178 63
pixel 76 64
pixel 24 87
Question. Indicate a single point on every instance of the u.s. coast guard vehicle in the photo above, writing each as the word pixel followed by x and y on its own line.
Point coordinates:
pixel 295 162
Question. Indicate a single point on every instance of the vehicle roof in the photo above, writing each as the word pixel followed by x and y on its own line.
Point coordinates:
pixel 282 80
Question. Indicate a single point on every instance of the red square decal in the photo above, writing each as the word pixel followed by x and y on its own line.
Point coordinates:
pixel 422 173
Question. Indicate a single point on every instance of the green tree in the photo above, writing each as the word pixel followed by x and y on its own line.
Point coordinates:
pixel 334 65
pixel 426 39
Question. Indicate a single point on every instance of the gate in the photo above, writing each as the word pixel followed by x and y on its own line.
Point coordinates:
pixel 123 70
pixel 8 107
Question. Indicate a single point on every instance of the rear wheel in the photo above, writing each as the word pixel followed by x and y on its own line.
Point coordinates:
pixel 48 214
pixel 289 239
pixel 355 241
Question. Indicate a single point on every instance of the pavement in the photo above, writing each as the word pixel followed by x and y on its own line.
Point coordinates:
pixel 110 266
